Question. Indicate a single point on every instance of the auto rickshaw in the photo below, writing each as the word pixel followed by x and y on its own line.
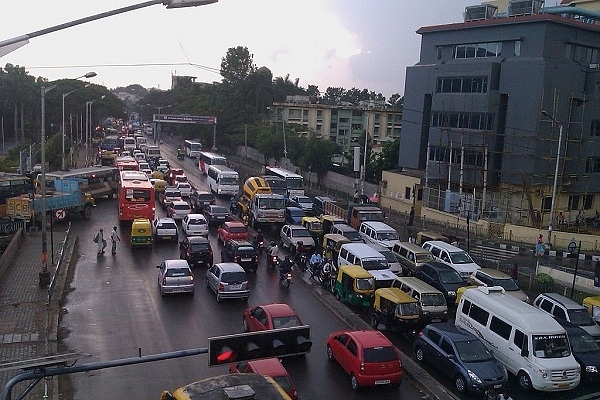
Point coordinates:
pixel 425 236
pixel 159 185
pixel 328 220
pixel 157 175
pixel 354 285
pixel 141 232
pixel 593 305
pixel 180 154
pixel 396 310
pixel 314 227
pixel 460 291
pixel 333 241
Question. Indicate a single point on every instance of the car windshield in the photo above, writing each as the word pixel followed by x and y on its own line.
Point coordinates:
pixel 284 382
pixel 380 354
pixel 233 277
pixel 271 203
pixel 286 322
pixel 450 277
pixel 375 264
pixel 353 236
pixel 583 342
pixel 300 233
pixel 176 272
pixel 551 346
pixel 580 317
pixel 432 299
pixel 389 256
pixel 472 351
pixel 460 257
pixel 508 284
pixel 365 283
pixel 408 309
pixel 199 246
pixel 387 236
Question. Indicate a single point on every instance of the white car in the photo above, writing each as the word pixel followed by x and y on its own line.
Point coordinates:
pixel 305 202
pixel 292 234
pixel 184 188
pixel 178 209
pixel 165 229
pixel 195 225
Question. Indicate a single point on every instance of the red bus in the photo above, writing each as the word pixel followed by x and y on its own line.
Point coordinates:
pixel 127 163
pixel 136 196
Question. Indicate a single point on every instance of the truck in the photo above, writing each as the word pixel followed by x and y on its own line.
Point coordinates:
pixel 355 214
pixel 62 200
pixel 152 154
pixel 259 204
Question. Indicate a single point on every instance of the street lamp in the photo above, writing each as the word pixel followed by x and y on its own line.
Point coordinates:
pixel 560 132
pixel 157 130
pixel 44 275
pixel 88 129
pixel 88 75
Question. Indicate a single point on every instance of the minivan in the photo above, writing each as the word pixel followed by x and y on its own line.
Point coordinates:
pixel 455 257
pixel 431 301
pixel 378 232
pixel 411 257
pixel 391 259
pixel 370 259
pixel 347 231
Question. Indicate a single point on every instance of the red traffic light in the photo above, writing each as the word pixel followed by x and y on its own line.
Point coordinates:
pixel 226 356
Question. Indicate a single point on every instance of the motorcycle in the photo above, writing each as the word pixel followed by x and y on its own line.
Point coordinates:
pixel 328 278
pixel 301 262
pixel 260 246
pixel 315 270
pixel 285 279
pixel 273 262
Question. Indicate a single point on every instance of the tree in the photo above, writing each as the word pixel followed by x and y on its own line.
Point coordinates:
pixel 237 65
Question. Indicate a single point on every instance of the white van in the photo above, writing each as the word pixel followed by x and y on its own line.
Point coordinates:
pixel 390 257
pixel 530 343
pixel 368 258
pixel 455 257
pixel 378 232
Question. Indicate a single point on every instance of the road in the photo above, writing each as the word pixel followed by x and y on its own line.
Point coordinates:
pixel 114 311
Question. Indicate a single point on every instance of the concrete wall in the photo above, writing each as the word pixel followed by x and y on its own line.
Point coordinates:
pixel 11 251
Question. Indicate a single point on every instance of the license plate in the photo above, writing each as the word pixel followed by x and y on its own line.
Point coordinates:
pixel 235 287
pixel 563 385
pixel 382 382
pixel 178 289
pixel 497 386
pixel 167 237
pixel 246 259
pixel 436 320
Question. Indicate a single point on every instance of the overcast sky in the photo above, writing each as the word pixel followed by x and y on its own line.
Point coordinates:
pixel 366 44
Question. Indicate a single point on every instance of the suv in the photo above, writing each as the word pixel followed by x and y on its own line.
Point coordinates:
pixel 442 277
pixel 165 229
pixel 196 250
pixel 461 356
pixel 241 252
pixel 491 277
pixel 562 307
pixel 201 199
pixel 169 195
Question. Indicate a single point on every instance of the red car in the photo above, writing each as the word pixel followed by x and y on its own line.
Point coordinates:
pixel 270 316
pixel 271 367
pixel 232 230
pixel 368 356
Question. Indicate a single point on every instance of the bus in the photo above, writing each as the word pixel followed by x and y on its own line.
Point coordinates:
pixel 127 163
pixel 101 181
pixel 136 196
pixel 192 148
pixel 278 185
pixel 223 180
pixel 295 182
pixel 207 159
pixel 12 185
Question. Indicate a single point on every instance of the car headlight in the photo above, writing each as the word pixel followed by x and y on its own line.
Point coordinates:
pixel 451 293
pixel 592 369
pixel 473 376
pixel 544 373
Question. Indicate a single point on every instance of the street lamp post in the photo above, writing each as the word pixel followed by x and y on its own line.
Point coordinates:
pixel 157 131
pixel 552 204
pixel 88 129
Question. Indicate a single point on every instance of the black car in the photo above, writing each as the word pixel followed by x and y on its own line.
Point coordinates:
pixel 199 200
pixel 241 252
pixel 196 250
pixel 585 350
pixel 442 277
pixel 216 215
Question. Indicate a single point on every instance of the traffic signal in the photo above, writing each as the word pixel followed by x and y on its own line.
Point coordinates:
pixel 255 345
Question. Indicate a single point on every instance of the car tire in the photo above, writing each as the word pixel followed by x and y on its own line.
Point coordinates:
pixel 460 384
pixel 374 321
pixel 337 296
pixel 524 381
pixel 329 353
pixel 419 354
pixel 354 382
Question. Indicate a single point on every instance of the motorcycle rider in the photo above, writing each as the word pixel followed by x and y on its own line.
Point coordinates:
pixel 285 267
pixel 315 263
pixel 300 253
pixel 273 251
pixel 258 240
pixel 328 253
pixel 327 274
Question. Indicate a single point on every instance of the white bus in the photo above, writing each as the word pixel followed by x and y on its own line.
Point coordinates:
pixel 193 148
pixel 101 181
pixel 295 182
pixel 223 180
pixel 206 159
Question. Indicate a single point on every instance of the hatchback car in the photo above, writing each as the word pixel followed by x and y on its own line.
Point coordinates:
pixel 305 203
pixel 271 367
pixel 294 215
pixel 201 199
pixel 241 252
pixel 175 276
pixel 196 250
pixel 368 356
pixel 228 280
pixel 270 316
pixel 169 195
pixel 178 209
pixel 184 188
pixel 194 224
pixel 165 229
pixel 461 356
pixel 216 214
pixel 442 277
pixel 493 277
pixel 232 230
pixel 290 235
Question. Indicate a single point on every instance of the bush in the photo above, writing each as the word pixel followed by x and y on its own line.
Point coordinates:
pixel 543 283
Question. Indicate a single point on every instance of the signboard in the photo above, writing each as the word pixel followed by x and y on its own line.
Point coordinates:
pixel 184 119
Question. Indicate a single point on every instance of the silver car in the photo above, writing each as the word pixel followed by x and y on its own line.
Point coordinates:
pixel 175 276
pixel 292 234
pixel 178 210
pixel 165 229
pixel 228 280
pixel 194 225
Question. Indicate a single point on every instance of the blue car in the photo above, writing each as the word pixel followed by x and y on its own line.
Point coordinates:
pixel 461 356
pixel 294 215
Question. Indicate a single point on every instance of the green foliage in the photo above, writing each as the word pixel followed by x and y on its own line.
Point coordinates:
pixel 543 283
pixel 237 65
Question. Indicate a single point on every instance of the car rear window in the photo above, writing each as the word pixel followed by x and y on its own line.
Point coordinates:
pixel 233 277
pixel 246 251
pixel 176 272
pixel 380 354
pixel 167 225
pixel 197 221
pixel 219 210
pixel 205 197
pixel 286 322
pixel 181 206
pixel 200 246
pixel 237 229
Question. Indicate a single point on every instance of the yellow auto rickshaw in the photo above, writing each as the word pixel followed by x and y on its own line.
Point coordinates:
pixel 157 175
pixel 331 244
pixel 460 291
pixel 354 285
pixel 158 184
pixel 315 228
pixel 141 232
pixel 593 305
pixel 328 220
pixel 396 310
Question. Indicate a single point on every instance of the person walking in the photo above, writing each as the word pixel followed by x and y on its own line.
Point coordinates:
pixel 514 272
pixel 411 216
pixel 99 240
pixel 114 238
pixel 539 247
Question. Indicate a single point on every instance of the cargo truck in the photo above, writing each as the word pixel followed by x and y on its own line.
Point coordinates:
pixel 259 204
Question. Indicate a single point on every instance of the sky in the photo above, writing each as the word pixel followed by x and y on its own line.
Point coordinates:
pixel 339 43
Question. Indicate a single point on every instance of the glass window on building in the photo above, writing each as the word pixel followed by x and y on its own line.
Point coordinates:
pixel 573 202
pixel 517 48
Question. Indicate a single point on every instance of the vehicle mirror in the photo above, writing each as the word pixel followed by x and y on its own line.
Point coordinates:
pixel 525 353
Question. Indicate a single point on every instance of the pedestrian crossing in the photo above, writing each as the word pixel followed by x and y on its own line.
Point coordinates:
pixel 493 254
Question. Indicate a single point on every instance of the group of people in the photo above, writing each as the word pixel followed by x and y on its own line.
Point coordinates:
pixel 101 242
pixel 493 394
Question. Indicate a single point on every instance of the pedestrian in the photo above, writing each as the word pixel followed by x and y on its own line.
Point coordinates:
pixel 114 238
pixel 539 247
pixel 514 272
pixel 490 394
pixel 411 216
pixel 560 218
pixel 356 197
pixel 411 239
pixel 99 240
pixel 504 395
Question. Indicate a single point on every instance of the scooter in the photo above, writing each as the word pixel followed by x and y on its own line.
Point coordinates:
pixel 273 262
pixel 285 279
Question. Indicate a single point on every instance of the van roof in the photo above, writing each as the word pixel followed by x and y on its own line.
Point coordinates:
pixel 411 246
pixel 417 283
pixel 512 309
pixel 443 245
pixel 378 225
pixel 364 249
